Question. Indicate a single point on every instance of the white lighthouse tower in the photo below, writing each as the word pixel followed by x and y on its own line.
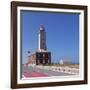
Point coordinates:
pixel 42 39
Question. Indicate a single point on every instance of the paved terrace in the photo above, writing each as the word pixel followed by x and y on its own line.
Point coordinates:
pixel 46 71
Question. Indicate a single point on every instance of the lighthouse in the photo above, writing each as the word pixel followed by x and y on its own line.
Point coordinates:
pixel 42 39
pixel 42 56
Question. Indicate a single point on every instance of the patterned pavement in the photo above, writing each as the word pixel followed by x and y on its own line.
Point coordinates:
pixel 34 74
pixel 29 72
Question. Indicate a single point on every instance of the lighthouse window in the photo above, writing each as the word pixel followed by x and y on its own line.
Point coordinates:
pixel 40 55
pixel 46 55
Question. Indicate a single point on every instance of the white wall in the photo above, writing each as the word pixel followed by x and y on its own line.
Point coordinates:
pixel 5 45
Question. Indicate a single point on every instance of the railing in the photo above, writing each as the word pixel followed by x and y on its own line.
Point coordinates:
pixel 65 69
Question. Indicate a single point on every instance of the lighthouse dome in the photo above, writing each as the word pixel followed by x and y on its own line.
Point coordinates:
pixel 42 27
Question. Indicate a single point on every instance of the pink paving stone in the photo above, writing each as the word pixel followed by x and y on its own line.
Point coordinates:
pixel 34 74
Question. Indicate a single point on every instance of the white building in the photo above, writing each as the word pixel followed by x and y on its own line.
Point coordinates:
pixel 66 61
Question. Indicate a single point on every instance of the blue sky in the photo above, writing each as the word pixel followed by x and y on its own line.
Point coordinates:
pixel 62 34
